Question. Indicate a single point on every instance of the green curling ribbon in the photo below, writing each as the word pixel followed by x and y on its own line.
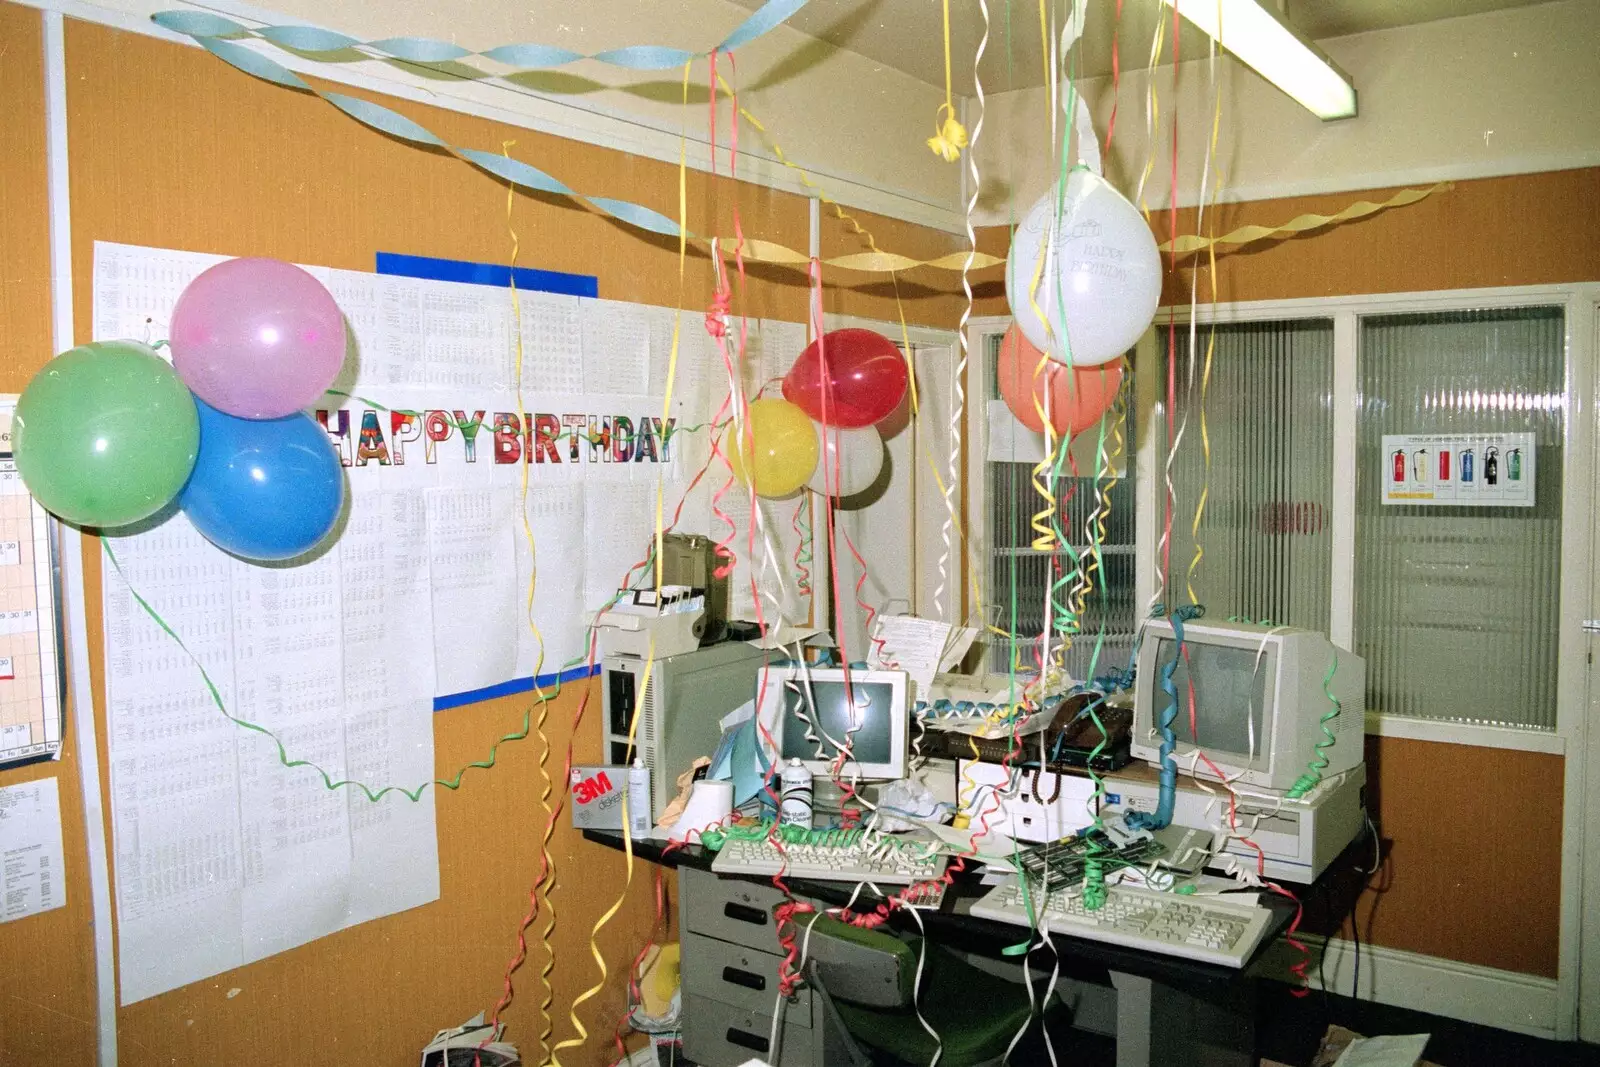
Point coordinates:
pixel 1319 761
pixel 372 794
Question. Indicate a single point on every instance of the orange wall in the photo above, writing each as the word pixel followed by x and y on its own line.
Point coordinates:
pixel 169 147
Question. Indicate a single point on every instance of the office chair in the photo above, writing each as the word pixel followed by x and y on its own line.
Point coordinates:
pixel 865 979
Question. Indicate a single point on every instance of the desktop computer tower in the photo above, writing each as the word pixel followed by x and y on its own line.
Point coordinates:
pixel 679 718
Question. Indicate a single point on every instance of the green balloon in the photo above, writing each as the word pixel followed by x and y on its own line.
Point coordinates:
pixel 105 434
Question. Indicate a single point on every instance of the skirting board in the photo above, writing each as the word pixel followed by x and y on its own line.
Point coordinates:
pixel 1523 1003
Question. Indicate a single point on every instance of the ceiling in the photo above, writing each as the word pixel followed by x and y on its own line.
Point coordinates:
pixel 908 34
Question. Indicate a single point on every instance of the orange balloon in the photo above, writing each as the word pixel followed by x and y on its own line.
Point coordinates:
pixel 1078 396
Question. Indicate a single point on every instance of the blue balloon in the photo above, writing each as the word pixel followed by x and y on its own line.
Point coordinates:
pixel 263 489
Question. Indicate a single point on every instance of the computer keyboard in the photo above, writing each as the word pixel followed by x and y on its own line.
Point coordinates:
pixel 1176 925
pixel 886 861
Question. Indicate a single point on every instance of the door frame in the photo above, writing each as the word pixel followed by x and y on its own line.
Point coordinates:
pixel 1580 905
pixel 1578 684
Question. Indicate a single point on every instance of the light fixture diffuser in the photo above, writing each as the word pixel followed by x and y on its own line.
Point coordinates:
pixel 1269 46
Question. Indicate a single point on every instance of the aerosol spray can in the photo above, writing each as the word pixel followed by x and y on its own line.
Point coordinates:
pixel 795 795
pixel 638 799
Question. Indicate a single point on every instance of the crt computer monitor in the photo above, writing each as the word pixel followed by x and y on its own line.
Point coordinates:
pixel 1259 700
pixel 809 711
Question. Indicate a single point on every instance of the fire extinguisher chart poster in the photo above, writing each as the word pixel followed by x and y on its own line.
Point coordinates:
pixel 1446 470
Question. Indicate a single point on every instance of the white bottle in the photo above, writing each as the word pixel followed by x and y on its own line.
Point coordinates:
pixel 795 796
pixel 638 799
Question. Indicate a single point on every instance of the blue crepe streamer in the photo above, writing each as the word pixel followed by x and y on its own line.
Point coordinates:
pixel 315 40
pixel 1161 818
pixel 394 124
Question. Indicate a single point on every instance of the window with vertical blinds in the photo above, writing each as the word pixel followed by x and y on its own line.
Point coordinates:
pixel 1019 576
pixel 1265 537
pixel 1456 607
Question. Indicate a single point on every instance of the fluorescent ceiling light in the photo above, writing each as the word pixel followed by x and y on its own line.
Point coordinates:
pixel 1255 34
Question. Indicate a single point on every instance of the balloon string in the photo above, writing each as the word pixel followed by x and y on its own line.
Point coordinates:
pixel 1202 222
pixel 802 552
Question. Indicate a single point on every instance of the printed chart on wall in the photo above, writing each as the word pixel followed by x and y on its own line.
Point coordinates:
pixel 30 652
pixel 416 606
pixel 1448 470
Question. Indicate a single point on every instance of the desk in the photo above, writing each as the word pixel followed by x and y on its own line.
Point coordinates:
pixel 1169 1010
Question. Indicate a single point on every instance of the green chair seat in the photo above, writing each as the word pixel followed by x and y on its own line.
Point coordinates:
pixel 975 1013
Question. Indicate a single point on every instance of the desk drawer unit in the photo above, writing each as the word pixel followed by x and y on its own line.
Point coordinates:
pixel 730 910
pixel 720 1035
pixel 737 975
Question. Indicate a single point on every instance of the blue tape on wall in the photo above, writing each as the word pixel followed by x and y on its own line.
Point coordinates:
pixel 460 270
pixel 514 686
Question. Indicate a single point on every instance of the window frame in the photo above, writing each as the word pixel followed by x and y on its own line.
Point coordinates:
pixel 1577 302
pixel 975 445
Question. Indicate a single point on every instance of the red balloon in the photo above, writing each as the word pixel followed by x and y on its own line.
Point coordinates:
pixel 1078 395
pixel 848 378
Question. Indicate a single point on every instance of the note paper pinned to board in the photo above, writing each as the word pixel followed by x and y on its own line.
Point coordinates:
pixel 31 876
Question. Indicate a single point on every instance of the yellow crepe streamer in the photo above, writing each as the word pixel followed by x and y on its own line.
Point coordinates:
pixel 949 137
pixel 1189 242
pixel 758 251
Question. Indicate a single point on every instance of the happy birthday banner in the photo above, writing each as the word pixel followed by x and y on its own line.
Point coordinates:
pixel 534 438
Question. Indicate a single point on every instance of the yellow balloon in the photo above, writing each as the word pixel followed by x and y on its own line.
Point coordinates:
pixel 778 444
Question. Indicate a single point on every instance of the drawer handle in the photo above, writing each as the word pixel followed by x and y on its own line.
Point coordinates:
pixel 747 1040
pixel 745 914
pixel 748 979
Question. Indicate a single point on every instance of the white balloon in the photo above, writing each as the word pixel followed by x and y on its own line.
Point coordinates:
pixel 848 461
pixel 1101 269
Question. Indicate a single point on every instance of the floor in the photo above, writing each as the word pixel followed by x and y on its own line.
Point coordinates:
pixel 1291 1028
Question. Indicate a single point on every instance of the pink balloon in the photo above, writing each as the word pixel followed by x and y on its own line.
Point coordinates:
pixel 257 338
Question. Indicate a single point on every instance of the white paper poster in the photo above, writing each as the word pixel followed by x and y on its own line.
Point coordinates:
pixel 1459 470
pixel 225 855
pixel 31 876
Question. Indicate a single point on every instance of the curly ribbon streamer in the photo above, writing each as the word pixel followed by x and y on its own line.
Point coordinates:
pixel 949 136
pixel 1319 760
pixel 525 57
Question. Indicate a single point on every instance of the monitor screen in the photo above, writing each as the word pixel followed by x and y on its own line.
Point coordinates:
pixel 1230 695
pixel 817 717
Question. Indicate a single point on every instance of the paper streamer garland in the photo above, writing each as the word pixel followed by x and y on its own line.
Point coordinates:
pixel 314 39
pixel 1244 235
pixel 205 28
